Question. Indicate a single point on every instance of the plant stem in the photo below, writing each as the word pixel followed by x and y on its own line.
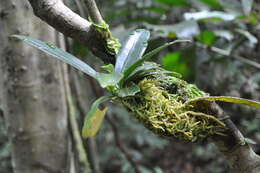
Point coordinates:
pixel 121 146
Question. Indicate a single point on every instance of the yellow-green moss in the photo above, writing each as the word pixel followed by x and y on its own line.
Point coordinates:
pixel 112 44
pixel 161 107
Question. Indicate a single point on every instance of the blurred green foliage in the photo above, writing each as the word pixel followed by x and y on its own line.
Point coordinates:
pixel 174 62
pixel 174 2
pixel 213 3
pixel 208 38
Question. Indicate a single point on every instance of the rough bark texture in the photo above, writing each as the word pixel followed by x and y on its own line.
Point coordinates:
pixel 31 94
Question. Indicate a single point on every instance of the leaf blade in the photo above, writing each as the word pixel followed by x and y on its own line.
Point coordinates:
pixel 149 55
pixel 132 50
pixel 129 91
pixel 59 54
pixel 110 79
pixel 229 99
pixel 94 118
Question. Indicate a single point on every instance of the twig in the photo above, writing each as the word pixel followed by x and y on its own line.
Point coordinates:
pixel 246 61
pixel 121 146
pixel 75 129
pixel 229 54
pixel 93 12
pixel 73 122
pixel 81 105
pixel 240 58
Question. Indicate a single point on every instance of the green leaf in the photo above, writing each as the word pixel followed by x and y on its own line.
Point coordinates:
pixel 237 100
pixel 145 67
pixel 212 3
pixel 148 69
pixel 109 68
pixel 174 62
pixel 94 118
pixel 59 54
pixel 250 141
pixel 111 79
pixel 207 37
pixel 149 55
pixel 132 50
pixel 129 91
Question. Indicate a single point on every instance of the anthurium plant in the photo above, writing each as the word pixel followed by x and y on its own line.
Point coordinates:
pixel 160 99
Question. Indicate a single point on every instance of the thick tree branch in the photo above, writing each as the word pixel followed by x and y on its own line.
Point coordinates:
pixel 59 16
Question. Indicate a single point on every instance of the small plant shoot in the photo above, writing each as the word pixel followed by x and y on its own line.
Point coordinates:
pixel 160 99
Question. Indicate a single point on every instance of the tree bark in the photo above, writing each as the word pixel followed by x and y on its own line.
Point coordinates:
pixel 59 16
pixel 239 155
pixel 32 96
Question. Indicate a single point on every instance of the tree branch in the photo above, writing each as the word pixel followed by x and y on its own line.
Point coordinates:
pixel 239 155
pixel 93 12
pixel 59 16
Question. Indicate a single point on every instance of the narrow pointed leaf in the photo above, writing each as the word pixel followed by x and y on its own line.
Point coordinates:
pixel 132 50
pixel 250 141
pixel 146 69
pixel 237 100
pixel 149 55
pixel 59 54
pixel 94 118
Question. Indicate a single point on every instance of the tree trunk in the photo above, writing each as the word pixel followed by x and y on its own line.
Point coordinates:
pixel 32 96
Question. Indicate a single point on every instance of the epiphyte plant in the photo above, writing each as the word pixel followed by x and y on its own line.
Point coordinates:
pixel 160 99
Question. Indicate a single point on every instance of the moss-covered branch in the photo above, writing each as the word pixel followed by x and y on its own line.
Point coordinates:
pixel 164 106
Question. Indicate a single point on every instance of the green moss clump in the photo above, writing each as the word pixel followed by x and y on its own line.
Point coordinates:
pixel 112 44
pixel 160 106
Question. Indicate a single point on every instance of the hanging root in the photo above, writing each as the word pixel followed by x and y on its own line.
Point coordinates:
pixel 161 107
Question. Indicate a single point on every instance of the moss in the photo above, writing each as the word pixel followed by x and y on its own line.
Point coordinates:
pixel 160 106
pixel 112 44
